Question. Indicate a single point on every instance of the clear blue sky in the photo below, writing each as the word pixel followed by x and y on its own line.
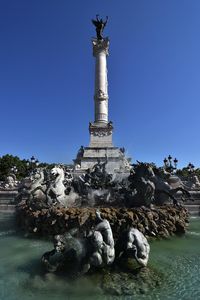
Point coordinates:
pixel 47 77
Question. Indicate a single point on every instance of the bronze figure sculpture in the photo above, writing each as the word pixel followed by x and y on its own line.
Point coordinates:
pixel 99 24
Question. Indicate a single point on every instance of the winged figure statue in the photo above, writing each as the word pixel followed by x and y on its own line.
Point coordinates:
pixel 100 25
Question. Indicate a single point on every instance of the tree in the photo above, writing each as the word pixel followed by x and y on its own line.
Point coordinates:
pixel 7 162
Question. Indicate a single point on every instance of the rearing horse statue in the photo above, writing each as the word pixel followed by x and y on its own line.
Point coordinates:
pixel 168 188
pixel 142 185
pixel 151 187
pixel 37 190
pixel 56 189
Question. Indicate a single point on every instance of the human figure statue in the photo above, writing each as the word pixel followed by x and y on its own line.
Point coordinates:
pixel 99 24
pixel 88 177
pixel 122 150
pixel 107 249
pixel 95 249
pixel 133 244
pixel 99 169
pixel 10 182
pixel 194 182
pixel 80 152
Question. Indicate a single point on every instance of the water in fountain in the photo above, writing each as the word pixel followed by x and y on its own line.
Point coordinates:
pixel 173 270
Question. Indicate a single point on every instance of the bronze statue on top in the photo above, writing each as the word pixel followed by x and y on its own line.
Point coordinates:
pixel 99 24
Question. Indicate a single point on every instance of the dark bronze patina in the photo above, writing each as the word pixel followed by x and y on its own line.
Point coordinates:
pixel 99 24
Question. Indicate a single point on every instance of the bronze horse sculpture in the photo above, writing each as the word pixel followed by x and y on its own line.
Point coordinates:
pixel 150 187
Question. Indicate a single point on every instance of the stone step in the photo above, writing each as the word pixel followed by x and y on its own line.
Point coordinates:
pixel 195 202
pixel 192 205
pixel 7 201
pixel 7 197
pixel 194 210
pixel 7 208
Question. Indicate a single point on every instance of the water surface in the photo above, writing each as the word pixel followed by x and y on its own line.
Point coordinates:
pixel 173 270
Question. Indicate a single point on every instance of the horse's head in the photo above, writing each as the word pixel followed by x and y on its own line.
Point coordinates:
pixel 57 170
pixel 144 170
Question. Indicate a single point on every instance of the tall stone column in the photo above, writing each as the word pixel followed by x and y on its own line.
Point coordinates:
pixel 101 148
pixel 101 128
pixel 100 51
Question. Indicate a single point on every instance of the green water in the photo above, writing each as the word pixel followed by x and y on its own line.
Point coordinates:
pixel 174 269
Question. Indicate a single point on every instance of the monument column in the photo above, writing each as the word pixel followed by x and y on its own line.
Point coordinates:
pixel 101 129
pixel 101 149
pixel 100 51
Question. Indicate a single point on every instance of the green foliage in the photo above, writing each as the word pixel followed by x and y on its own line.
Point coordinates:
pixel 185 173
pixel 8 161
pixel 46 165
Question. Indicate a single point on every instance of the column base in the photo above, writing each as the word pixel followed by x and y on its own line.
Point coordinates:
pixel 101 150
pixel 87 157
pixel 100 134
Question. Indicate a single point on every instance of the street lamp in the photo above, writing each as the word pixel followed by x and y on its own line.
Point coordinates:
pixel 170 165
pixel 32 163
pixel 190 168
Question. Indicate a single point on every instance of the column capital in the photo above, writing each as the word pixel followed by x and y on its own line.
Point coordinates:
pixel 100 46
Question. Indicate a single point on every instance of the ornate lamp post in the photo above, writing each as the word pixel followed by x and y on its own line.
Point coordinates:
pixel 32 163
pixel 190 168
pixel 170 165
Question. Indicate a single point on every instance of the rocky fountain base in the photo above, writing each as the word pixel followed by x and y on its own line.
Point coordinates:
pixel 158 222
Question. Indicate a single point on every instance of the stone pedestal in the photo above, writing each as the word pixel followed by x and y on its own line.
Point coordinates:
pixel 100 135
pixel 115 158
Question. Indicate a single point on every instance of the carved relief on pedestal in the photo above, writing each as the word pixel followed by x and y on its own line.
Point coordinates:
pixel 101 131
